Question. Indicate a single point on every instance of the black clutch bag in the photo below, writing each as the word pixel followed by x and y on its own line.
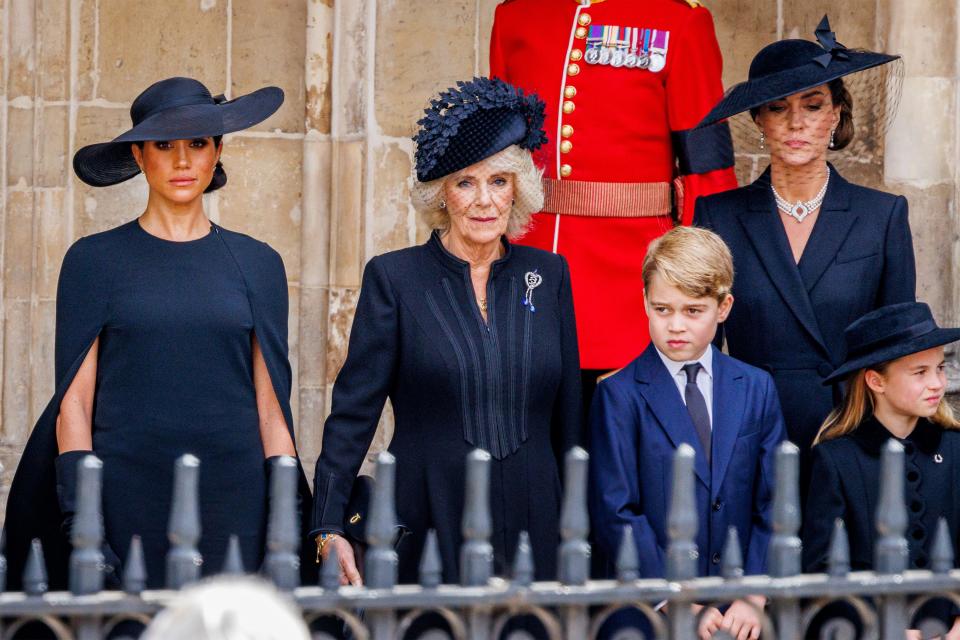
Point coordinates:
pixel 358 510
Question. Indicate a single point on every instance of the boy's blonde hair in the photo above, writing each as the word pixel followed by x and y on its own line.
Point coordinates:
pixel 694 260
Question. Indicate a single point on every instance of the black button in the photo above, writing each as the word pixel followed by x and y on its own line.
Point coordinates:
pixel 913 476
pixel 918 533
pixel 916 506
pixel 716 558
pixel 824 369
pixel 921 562
pixel 717 505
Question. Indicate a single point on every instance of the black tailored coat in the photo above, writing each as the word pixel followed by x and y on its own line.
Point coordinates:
pixel 788 317
pixel 510 386
pixel 847 471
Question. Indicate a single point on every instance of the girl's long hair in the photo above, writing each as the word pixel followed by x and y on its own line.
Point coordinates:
pixel 859 403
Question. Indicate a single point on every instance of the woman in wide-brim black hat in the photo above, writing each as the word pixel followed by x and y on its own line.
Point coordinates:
pixel 895 390
pixel 812 251
pixel 171 338
pixel 472 338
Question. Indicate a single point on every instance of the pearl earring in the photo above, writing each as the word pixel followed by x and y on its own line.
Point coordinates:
pixel 763 139
pixel 443 203
pixel 832 131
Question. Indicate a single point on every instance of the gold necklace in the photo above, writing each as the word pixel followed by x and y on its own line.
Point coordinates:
pixel 483 304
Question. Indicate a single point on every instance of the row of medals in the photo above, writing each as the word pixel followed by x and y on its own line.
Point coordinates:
pixel 653 60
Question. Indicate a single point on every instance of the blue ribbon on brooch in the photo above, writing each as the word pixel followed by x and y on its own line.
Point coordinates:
pixel 828 40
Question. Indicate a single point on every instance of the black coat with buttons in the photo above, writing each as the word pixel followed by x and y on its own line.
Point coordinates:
pixel 846 484
pixel 509 385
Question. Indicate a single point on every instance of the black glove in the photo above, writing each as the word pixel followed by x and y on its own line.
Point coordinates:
pixel 66 469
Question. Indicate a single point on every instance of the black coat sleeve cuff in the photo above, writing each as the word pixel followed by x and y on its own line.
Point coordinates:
pixel 703 150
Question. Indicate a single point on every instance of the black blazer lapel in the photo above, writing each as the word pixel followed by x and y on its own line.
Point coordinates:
pixel 728 411
pixel 765 231
pixel 662 396
pixel 830 230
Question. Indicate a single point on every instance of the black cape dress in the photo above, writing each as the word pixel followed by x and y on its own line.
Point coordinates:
pixel 174 376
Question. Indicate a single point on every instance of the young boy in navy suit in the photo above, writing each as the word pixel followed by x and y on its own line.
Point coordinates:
pixel 682 389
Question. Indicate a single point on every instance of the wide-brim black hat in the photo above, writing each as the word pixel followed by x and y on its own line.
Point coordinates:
pixel 473 121
pixel 889 333
pixel 787 67
pixel 172 109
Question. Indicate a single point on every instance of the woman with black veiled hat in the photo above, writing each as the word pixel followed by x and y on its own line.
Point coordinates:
pixel 171 338
pixel 471 337
pixel 812 251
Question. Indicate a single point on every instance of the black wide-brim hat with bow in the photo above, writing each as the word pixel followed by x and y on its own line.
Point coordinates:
pixel 473 121
pixel 787 67
pixel 889 333
pixel 172 109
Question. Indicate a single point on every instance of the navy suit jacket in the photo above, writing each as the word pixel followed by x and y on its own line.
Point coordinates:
pixel 638 420
pixel 789 317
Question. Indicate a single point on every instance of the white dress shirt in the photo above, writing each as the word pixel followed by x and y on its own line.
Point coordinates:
pixel 704 378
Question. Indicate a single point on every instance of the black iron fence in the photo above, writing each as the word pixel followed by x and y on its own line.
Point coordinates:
pixel 483 606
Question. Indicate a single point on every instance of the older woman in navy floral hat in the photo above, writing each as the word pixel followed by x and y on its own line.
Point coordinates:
pixel 471 337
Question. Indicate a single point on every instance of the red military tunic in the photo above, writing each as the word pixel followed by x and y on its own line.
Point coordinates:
pixel 616 136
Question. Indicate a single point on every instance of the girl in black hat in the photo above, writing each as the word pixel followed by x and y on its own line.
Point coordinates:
pixel 895 383
pixel 171 338
pixel 812 251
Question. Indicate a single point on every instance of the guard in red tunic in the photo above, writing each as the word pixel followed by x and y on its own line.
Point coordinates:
pixel 624 81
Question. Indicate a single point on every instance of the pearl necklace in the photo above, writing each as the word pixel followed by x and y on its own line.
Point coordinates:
pixel 802 208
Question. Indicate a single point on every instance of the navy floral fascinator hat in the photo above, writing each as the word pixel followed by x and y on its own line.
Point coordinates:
pixel 173 109
pixel 790 66
pixel 473 121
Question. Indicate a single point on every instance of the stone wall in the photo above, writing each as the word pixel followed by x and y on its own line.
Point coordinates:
pixel 326 180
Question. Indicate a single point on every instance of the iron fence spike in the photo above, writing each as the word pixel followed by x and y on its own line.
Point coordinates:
pixel 3 564
pixel 575 520
pixel 233 560
pixel 838 563
pixel 431 572
pixel 523 572
pixel 731 567
pixel 282 561
pixel 381 559
pixel 682 520
pixel 785 550
pixel 476 554
pixel 86 557
pixel 891 551
pixel 135 571
pixel 330 570
pixel 183 559
pixel 628 562
pixel 35 571
pixel 941 554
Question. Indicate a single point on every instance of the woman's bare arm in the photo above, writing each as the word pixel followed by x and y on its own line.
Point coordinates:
pixel 75 422
pixel 273 426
